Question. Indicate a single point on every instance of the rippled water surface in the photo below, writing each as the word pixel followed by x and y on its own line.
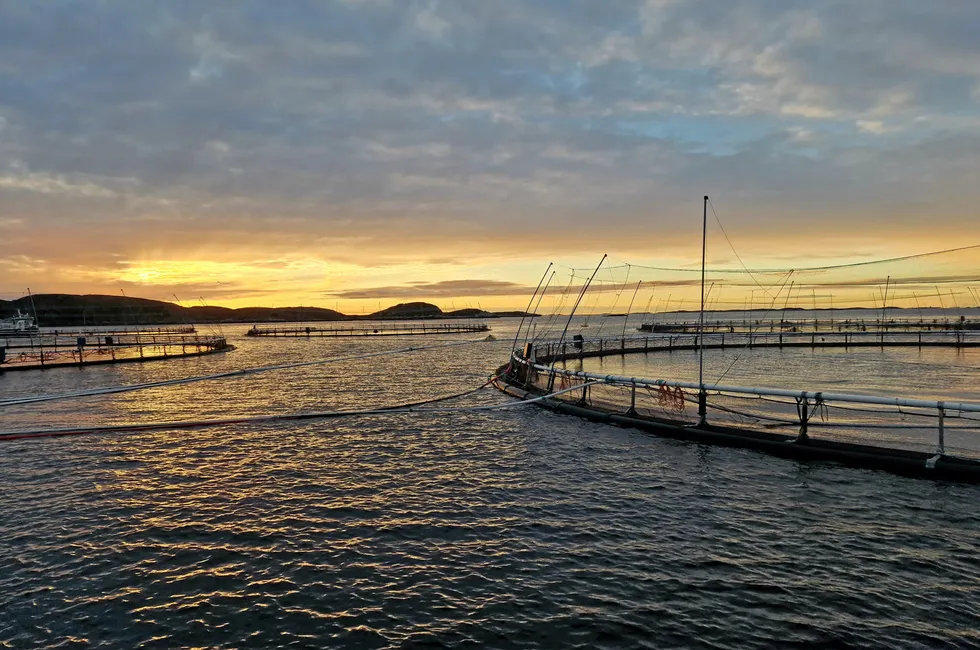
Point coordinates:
pixel 499 528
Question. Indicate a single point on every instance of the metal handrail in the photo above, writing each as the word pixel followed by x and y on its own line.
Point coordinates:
pixel 823 396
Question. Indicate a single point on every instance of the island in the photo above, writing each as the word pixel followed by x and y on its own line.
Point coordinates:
pixel 70 310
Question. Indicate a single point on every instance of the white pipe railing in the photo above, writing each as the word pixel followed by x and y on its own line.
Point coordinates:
pixel 763 335
pixel 967 407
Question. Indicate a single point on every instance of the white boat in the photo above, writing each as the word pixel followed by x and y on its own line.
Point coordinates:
pixel 19 324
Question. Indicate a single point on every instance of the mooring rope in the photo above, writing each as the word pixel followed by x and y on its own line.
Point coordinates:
pixel 410 408
pixel 804 269
pixel 221 375
pixel 748 341
pixel 737 256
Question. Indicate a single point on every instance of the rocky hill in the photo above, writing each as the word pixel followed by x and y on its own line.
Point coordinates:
pixel 68 310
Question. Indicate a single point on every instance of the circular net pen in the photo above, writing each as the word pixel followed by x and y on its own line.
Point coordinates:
pixel 916 303
pixel 60 349
pixel 911 436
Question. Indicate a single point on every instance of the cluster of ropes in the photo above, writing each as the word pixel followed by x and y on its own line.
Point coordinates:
pixel 670 399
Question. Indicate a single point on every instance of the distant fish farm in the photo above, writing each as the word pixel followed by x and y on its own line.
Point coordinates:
pixel 67 348
pixel 397 329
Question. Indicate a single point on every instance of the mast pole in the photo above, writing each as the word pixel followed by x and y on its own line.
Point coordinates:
pixel 630 308
pixel 531 302
pixel 702 396
pixel 884 299
pixel 537 306
pixel 40 341
pixel 561 340
pixel 884 303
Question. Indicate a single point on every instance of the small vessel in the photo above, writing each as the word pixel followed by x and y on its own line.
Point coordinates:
pixel 19 324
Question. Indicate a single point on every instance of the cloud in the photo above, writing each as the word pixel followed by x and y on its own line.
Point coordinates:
pixel 394 133
pixel 444 289
pixel 475 288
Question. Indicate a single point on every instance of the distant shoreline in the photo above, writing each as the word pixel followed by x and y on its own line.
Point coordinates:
pixel 71 310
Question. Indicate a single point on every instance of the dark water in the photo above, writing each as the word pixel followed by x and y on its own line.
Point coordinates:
pixel 514 528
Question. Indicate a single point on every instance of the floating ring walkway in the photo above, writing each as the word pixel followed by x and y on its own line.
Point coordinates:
pixel 424 329
pixel 62 350
pixel 925 438
pixel 812 325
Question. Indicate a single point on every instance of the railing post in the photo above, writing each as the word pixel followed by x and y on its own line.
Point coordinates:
pixel 803 410
pixel 942 433
pixel 702 407
pixel 632 410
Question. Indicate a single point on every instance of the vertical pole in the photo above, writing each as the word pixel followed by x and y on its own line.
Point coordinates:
pixel 529 303
pixel 532 330
pixel 702 397
pixel 942 433
pixel 803 408
pixel 884 302
pixel 561 339
pixel 629 309
pixel 40 339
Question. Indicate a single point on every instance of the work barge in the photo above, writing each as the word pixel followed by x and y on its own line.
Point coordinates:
pixel 912 437
pixel 61 349
pixel 380 329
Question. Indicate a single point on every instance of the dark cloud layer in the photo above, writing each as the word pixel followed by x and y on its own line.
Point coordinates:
pixel 445 289
pixel 405 126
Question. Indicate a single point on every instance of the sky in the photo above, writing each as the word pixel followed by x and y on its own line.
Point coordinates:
pixel 357 153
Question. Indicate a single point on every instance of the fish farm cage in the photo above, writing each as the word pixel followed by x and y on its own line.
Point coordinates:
pixel 61 349
pixel 109 331
pixel 814 325
pixel 910 436
pixel 580 347
pixel 400 329
pixel 923 300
